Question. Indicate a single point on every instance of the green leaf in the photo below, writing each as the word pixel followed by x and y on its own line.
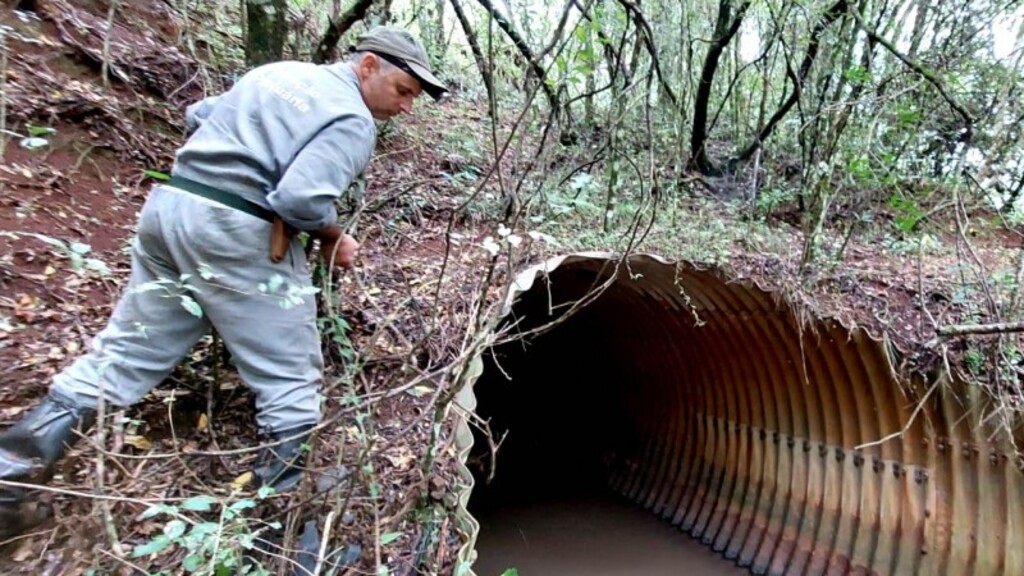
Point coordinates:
pixel 389 538
pixel 158 509
pixel 265 491
pixel 908 116
pixel 206 272
pixel 51 241
pixel 40 130
pixel 80 248
pixel 156 175
pixel 203 529
pixel 199 503
pixel 150 286
pixel 175 529
pixel 857 75
pixel 510 572
pixel 246 540
pixel 419 391
pixel 275 282
pixel 242 505
pixel 97 266
pixel 154 546
pixel 193 563
pixel 189 304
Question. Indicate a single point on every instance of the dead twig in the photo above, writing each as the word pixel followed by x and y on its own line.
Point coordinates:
pixel 910 421
pixel 980 329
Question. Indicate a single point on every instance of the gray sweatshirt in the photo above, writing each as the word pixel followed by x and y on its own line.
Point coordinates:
pixel 288 136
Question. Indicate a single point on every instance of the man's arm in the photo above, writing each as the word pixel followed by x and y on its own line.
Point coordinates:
pixel 336 247
pixel 197 113
pixel 321 172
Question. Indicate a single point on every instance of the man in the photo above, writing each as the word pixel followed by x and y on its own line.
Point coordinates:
pixel 269 156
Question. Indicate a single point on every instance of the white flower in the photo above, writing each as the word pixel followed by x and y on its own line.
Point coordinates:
pixel 34 143
pixel 503 230
pixel 514 240
pixel 491 246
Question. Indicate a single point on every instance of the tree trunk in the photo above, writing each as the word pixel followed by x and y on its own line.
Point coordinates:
pixel 726 28
pixel 380 15
pixel 435 37
pixel 591 81
pixel 524 50
pixel 797 77
pixel 266 31
pixel 646 34
pixel 921 24
pixel 474 46
pixel 326 50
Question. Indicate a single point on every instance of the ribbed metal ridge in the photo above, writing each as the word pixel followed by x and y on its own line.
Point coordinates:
pixel 758 433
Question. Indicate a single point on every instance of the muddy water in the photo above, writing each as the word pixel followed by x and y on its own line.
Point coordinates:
pixel 589 535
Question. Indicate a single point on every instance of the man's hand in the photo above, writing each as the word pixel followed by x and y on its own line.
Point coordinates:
pixel 342 252
pixel 336 247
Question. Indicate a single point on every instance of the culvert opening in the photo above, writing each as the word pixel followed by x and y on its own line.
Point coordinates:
pixel 779 443
pixel 563 405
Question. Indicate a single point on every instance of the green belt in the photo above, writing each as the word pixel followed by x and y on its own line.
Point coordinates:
pixel 221 197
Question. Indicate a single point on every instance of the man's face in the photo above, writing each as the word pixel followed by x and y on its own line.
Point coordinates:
pixel 386 90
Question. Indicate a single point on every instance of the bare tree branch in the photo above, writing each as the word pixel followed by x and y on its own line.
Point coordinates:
pixel 831 15
pixel 966 329
pixel 337 28
pixel 647 35
pixel 558 30
pixel 932 79
pixel 524 51
pixel 474 46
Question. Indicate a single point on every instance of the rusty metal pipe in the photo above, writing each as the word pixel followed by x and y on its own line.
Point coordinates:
pixel 755 427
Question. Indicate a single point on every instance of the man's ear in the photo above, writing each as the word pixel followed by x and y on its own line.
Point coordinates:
pixel 369 64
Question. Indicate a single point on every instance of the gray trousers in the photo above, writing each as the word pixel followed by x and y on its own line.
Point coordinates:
pixel 195 264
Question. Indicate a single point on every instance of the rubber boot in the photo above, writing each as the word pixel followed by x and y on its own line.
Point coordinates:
pixel 280 466
pixel 29 451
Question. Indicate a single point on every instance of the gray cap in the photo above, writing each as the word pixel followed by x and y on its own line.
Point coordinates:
pixel 402 49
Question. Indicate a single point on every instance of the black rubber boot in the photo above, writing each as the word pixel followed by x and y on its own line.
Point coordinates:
pixel 280 466
pixel 29 451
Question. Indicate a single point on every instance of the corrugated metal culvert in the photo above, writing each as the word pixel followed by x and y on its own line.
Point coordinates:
pixel 789 447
